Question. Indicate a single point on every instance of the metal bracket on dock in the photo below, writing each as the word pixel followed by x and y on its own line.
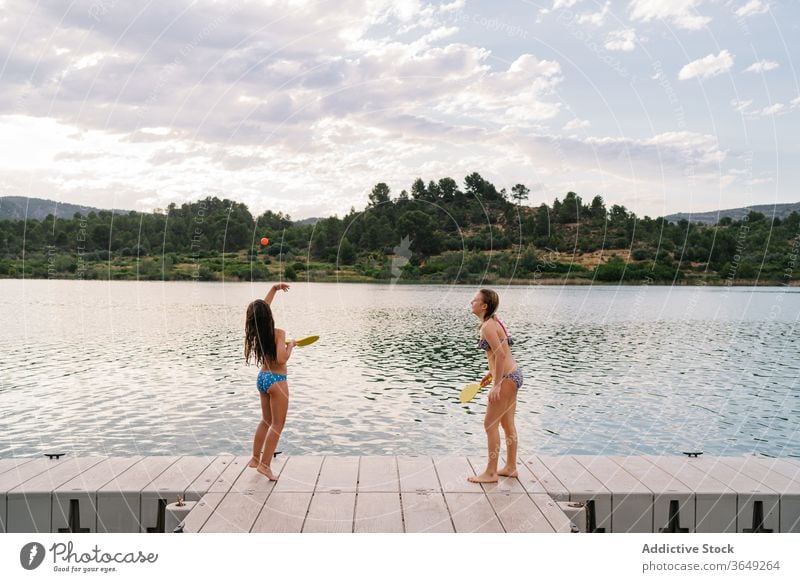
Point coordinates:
pixel 591 518
pixel 52 456
pixel 674 521
pixel 74 519
pixel 692 454
pixel 758 519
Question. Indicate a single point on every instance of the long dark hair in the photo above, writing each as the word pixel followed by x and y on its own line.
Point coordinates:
pixel 492 301
pixel 259 333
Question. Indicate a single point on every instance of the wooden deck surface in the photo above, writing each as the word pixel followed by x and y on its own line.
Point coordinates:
pixel 389 494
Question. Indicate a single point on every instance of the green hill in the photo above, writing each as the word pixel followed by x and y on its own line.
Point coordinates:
pixel 436 232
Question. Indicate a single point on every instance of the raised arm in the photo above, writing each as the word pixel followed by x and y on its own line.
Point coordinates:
pixel 274 289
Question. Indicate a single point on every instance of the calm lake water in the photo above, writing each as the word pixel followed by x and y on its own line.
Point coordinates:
pixel 122 368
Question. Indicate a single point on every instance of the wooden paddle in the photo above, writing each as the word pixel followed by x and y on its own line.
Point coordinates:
pixel 470 390
pixel 307 340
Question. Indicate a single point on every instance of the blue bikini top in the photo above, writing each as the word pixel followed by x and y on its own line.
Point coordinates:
pixel 484 345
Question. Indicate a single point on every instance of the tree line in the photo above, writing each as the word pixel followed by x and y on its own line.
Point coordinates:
pixel 451 231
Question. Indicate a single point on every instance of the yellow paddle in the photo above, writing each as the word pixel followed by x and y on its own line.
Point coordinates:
pixel 470 390
pixel 307 340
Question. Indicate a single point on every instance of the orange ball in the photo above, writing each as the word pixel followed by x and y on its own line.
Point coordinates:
pixel 264 241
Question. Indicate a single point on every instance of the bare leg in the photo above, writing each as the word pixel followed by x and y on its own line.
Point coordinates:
pixel 510 430
pixel 261 430
pixel 491 424
pixel 279 404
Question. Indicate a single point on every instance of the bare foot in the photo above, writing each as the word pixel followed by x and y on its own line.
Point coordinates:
pixel 483 478
pixel 253 462
pixel 266 471
pixel 508 472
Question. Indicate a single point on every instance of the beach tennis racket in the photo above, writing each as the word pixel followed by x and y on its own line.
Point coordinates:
pixel 470 390
pixel 307 340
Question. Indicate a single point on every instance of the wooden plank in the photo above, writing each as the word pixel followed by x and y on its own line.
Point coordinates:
pixel 472 513
pixel 228 477
pixel 518 513
pixel 378 512
pixel 785 467
pixel 330 512
pixel 197 518
pixel 250 479
pixel 557 519
pixel 208 478
pixel 17 474
pixel 166 488
pixel 750 492
pixel 119 501
pixel 673 501
pixel 715 503
pixel 178 477
pixel 539 479
pixel 80 494
pixel 764 473
pixel 681 468
pixel 584 487
pixel 236 512
pixel 574 476
pixel 733 478
pixel 788 489
pixel 425 510
pixel 240 507
pixel 299 474
pixel 453 473
pixel 13 463
pixel 631 500
pixel 284 512
pixel 338 474
pixel 503 485
pixel 378 474
pixel 417 474
pixel 29 505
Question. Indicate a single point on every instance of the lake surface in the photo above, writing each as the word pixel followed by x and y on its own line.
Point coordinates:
pixel 152 368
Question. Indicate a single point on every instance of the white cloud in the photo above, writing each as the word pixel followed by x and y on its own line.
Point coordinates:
pixel 741 106
pixel 795 102
pixel 595 18
pixel 773 110
pixel 761 66
pixel 709 66
pixel 621 40
pixel 564 3
pixel 681 13
pixel 452 6
pixel 576 124
pixel 752 7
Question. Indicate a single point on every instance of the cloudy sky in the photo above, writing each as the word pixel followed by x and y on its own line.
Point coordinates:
pixel 302 106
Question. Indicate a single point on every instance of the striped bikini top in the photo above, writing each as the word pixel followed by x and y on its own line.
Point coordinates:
pixel 484 345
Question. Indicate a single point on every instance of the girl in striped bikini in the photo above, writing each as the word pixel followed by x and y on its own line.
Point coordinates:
pixel 502 400
pixel 271 351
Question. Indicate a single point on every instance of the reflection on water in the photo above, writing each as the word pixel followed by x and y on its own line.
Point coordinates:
pixel 127 368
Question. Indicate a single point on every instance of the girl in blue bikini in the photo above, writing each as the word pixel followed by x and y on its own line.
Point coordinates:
pixel 271 351
pixel 503 395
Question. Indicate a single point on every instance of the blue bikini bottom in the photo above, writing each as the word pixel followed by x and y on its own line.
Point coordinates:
pixel 266 379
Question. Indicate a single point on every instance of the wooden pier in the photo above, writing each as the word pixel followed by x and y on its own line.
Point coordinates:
pixel 402 494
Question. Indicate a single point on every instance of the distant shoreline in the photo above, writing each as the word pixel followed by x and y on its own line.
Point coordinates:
pixel 543 282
